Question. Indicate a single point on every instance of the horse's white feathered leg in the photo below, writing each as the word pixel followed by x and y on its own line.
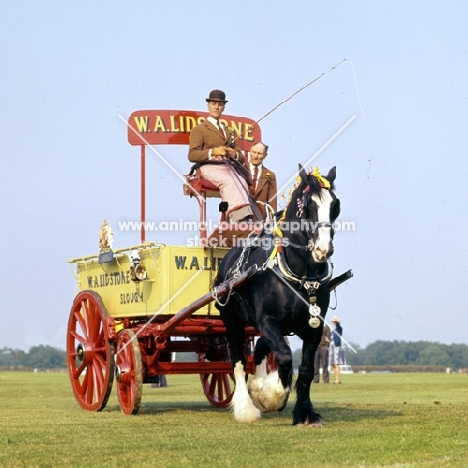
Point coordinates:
pixel 256 384
pixel 266 390
pixel 243 408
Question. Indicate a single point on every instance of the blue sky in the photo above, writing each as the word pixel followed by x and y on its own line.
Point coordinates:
pixel 69 69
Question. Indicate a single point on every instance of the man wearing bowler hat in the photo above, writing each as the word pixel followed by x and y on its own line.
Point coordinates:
pixel 213 146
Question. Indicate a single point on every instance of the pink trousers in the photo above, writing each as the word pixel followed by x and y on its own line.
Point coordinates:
pixel 231 185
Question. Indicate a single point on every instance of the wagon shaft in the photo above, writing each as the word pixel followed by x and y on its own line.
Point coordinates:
pixel 335 282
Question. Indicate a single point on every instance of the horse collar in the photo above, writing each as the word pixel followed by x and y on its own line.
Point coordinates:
pixel 310 284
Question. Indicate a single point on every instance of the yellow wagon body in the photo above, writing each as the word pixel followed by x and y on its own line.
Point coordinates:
pixel 175 277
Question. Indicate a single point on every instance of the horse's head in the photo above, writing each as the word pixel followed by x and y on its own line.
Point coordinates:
pixel 316 208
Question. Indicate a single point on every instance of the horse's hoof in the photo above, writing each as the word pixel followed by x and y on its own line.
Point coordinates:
pixel 317 423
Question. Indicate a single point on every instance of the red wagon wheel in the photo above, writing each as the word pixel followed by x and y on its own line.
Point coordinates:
pixel 90 354
pixel 128 372
pixel 218 387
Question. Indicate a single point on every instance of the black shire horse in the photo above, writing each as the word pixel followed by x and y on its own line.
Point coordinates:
pixel 287 295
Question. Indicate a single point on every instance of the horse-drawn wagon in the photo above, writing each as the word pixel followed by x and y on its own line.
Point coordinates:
pixel 138 305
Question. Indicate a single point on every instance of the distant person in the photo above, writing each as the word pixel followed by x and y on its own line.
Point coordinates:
pixel 321 357
pixel 263 188
pixel 336 352
pixel 220 159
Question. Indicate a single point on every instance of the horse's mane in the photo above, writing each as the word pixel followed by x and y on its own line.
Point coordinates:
pixel 314 189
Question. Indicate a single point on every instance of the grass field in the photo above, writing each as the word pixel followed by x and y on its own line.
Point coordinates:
pixel 372 420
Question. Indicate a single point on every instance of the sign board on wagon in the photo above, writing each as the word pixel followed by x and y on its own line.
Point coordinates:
pixel 172 127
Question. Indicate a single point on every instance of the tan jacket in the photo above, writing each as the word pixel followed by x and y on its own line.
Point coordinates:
pixel 266 188
pixel 206 136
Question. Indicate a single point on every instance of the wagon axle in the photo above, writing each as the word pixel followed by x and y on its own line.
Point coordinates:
pixel 123 374
pixel 80 352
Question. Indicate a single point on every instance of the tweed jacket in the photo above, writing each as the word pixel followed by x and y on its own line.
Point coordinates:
pixel 266 188
pixel 206 136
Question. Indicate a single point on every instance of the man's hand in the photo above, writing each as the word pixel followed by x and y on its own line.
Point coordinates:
pixel 232 152
pixel 218 151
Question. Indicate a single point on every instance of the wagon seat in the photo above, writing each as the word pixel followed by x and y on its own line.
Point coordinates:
pixel 201 189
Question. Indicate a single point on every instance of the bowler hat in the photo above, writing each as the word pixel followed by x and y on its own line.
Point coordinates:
pixel 216 95
pixel 336 319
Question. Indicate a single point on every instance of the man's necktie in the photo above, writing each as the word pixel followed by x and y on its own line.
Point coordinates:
pixel 255 177
pixel 221 130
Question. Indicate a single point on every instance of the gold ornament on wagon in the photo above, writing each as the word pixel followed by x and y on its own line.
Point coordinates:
pixel 106 239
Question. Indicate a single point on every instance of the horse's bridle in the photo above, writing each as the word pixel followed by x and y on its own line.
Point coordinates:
pixel 311 284
pixel 302 206
pixel 310 233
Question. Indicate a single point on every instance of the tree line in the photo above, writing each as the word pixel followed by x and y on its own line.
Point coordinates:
pixel 379 353
pixel 404 353
pixel 39 357
pixel 419 353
